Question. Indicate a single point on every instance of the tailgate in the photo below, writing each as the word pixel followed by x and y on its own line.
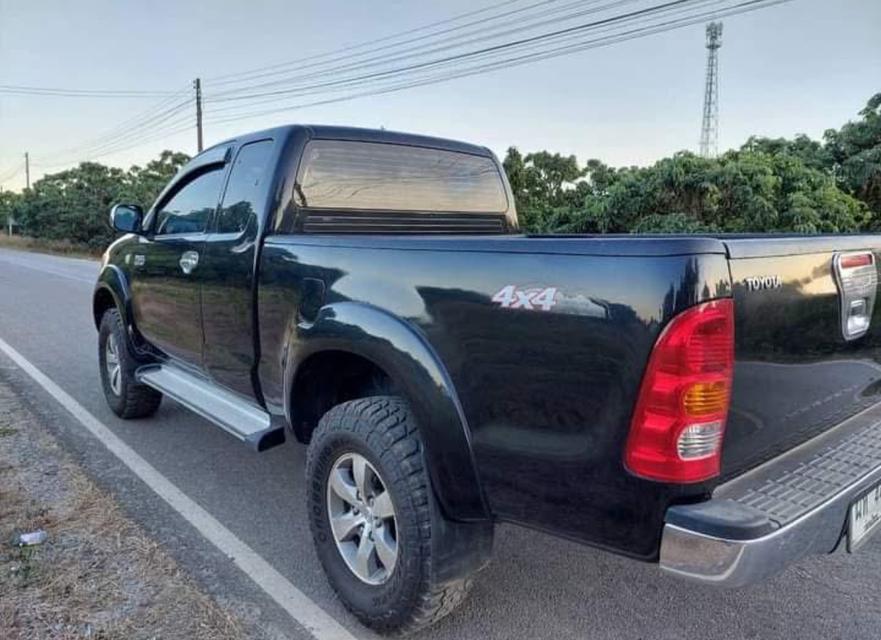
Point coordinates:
pixel 807 332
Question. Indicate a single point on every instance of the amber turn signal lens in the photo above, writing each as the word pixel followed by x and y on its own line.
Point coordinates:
pixel 705 398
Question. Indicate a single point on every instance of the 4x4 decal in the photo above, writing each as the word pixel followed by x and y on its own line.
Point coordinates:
pixel 510 297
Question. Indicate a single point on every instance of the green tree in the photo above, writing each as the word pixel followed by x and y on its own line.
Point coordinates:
pixel 855 152
pixel 544 185
pixel 768 185
pixel 145 183
pixel 73 205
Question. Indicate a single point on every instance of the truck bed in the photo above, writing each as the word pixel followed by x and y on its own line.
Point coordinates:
pixel 549 395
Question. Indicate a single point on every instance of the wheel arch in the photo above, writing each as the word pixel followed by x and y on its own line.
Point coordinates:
pixel 329 377
pixel 394 358
pixel 102 300
pixel 111 290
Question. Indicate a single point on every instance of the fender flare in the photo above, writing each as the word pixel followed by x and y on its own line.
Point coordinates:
pixel 113 280
pixel 400 349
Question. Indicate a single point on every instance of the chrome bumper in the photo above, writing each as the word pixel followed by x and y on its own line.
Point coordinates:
pixel 742 536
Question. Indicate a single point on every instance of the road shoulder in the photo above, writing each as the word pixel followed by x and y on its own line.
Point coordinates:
pixel 97 573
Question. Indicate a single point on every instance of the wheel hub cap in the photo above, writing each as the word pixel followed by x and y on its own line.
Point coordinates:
pixel 362 518
pixel 113 365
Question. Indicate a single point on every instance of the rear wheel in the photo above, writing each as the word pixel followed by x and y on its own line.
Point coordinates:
pixel 373 518
pixel 127 397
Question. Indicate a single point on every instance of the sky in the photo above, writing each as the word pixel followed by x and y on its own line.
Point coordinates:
pixel 798 67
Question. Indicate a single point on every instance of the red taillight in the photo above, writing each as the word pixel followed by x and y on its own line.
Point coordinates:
pixel 856 260
pixel 677 428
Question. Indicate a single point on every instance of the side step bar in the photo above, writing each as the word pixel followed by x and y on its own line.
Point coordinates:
pixel 244 420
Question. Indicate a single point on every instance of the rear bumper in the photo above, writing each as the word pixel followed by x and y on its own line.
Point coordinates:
pixel 794 506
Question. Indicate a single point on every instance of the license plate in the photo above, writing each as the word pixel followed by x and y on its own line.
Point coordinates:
pixel 864 518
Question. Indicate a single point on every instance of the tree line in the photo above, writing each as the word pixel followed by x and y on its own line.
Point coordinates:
pixel 767 185
pixel 74 205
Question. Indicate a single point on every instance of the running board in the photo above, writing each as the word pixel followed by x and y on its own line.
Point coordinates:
pixel 244 420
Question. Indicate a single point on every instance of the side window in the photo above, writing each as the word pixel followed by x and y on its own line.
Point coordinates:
pixel 189 209
pixel 246 189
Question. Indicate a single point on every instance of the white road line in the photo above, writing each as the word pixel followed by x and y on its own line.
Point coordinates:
pixel 301 608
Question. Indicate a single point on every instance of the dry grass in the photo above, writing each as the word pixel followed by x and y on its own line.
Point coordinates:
pixel 98 575
pixel 57 247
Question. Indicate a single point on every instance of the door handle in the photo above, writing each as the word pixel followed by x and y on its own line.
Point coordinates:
pixel 188 261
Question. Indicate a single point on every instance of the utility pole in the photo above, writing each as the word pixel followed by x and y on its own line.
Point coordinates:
pixel 197 85
pixel 27 170
pixel 710 125
pixel 8 214
pixel 9 221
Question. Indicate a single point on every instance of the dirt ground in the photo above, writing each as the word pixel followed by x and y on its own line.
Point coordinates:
pixel 97 575
pixel 56 247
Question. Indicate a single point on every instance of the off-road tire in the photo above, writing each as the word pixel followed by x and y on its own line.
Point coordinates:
pixel 382 430
pixel 134 400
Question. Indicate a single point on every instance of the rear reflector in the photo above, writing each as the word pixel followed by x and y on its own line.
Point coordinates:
pixel 679 421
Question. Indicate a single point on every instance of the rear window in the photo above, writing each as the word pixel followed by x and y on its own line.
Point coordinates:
pixel 342 174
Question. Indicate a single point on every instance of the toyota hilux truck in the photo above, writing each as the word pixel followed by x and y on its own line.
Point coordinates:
pixel 706 403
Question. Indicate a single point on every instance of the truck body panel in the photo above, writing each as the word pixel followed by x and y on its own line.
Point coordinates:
pixel 547 395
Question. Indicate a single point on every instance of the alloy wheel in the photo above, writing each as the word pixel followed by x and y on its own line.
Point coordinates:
pixel 112 364
pixel 362 518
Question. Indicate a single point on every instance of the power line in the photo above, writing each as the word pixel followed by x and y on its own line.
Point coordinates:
pixel 358 59
pixel 142 118
pixel 298 63
pixel 79 93
pixel 11 173
pixel 367 79
pixel 167 133
pixel 144 122
pixel 168 117
pixel 169 126
pixel 543 37
pixel 112 141
pixel 137 121
pixel 614 38
pixel 492 32
pixel 608 23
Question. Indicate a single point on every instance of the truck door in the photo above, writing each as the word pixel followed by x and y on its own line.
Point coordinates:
pixel 166 267
pixel 228 271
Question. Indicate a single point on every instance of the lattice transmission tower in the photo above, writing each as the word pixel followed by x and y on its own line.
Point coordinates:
pixel 710 124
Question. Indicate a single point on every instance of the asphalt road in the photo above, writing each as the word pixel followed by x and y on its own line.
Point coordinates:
pixel 536 586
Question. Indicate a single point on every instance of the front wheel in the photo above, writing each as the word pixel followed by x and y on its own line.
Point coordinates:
pixel 127 397
pixel 373 517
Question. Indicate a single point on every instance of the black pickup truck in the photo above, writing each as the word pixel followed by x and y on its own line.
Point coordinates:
pixel 707 403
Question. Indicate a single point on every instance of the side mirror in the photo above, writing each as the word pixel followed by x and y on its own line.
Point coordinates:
pixel 126 218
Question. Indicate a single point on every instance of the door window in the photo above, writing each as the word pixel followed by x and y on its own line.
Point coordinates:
pixel 189 210
pixel 246 189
